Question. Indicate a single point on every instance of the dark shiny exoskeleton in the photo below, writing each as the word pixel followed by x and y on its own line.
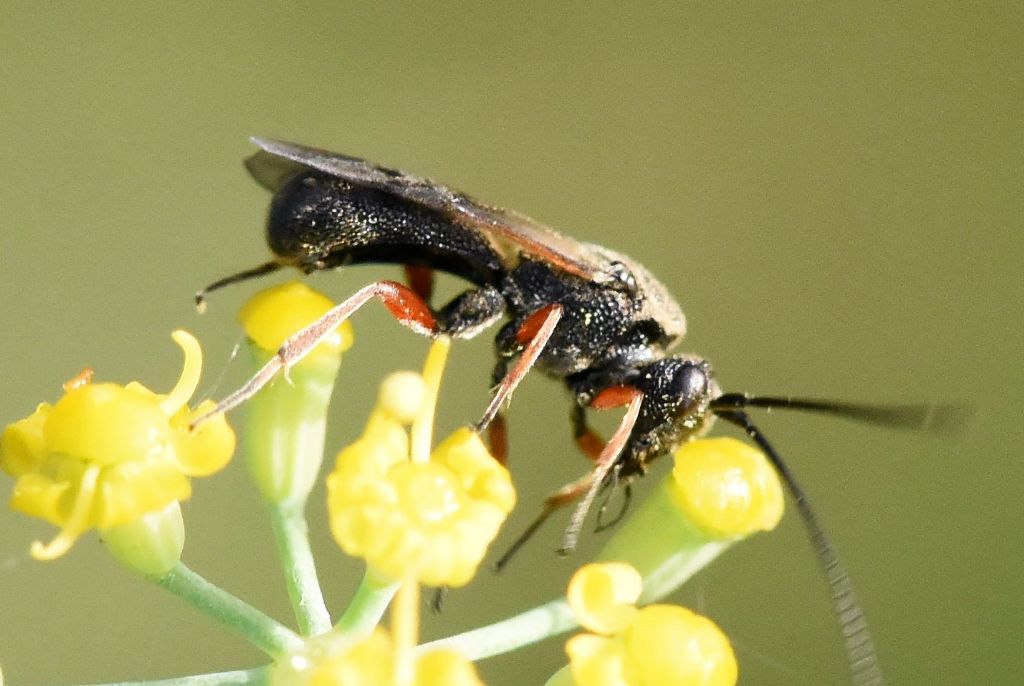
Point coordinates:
pixel 618 322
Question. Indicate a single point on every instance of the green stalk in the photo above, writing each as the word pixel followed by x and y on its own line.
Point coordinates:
pixel 292 536
pixel 510 634
pixel 238 677
pixel 666 549
pixel 368 605
pixel 284 430
pixel 263 632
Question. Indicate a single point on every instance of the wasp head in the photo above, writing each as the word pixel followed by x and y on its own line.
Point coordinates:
pixel 677 395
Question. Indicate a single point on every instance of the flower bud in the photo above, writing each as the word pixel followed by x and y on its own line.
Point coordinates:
pixel 150 545
pixel 287 420
pixel 658 645
pixel 720 491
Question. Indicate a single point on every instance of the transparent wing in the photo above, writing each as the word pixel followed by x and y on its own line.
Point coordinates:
pixel 277 161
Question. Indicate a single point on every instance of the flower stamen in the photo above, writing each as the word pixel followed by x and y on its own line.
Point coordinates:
pixel 77 522
pixel 405 620
pixel 190 371
pixel 77 381
pixel 106 456
pixel 423 424
pixel 407 509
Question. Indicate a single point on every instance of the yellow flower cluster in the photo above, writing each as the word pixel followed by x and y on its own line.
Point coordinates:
pixel 106 455
pixel 409 511
pixel 373 661
pixel 658 645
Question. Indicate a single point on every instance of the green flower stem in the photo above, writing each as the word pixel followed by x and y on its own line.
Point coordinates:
pixel 664 547
pixel 285 426
pixel 238 677
pixel 368 605
pixel 510 634
pixel 263 632
pixel 284 437
pixel 292 536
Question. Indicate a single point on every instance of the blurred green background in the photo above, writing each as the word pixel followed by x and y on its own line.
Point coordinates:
pixel 833 191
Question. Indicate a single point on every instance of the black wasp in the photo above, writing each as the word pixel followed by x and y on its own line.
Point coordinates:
pixel 587 315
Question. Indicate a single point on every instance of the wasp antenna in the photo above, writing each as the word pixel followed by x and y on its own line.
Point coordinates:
pixel 253 273
pixel 934 418
pixel 860 648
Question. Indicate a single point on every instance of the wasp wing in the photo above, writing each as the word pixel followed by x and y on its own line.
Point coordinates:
pixel 278 161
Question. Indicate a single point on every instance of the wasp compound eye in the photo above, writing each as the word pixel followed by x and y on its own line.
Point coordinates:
pixel 691 381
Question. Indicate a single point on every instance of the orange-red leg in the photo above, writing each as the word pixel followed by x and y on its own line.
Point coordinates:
pixel 420 280
pixel 497 438
pixel 612 397
pixel 534 333
pixel 587 440
pixel 554 502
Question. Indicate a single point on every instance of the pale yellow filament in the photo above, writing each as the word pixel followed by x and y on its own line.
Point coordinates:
pixel 423 424
pixel 77 522
pixel 190 370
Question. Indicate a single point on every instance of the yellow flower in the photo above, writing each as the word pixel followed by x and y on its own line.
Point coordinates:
pixel 286 421
pixel 410 511
pixel 275 314
pixel 726 487
pixel 720 492
pixel 651 646
pixel 371 661
pixel 105 455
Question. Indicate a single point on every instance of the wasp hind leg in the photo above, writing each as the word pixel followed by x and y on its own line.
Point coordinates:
pixel 464 316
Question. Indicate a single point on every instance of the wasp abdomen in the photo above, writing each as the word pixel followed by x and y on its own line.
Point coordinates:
pixel 318 221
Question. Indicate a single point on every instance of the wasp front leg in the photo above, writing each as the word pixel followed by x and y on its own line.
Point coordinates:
pixel 532 335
